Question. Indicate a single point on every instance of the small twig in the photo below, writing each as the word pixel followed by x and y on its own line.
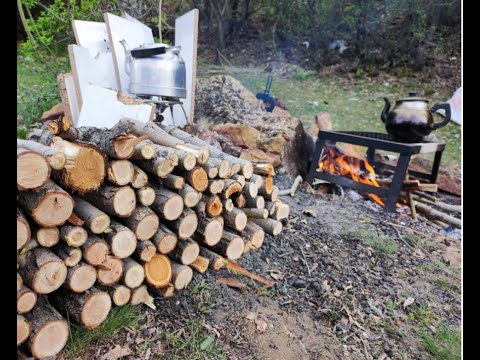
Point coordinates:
pixel 445 271
pixel 306 262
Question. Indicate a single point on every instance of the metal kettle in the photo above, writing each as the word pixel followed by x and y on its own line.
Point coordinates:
pixel 155 70
pixel 411 120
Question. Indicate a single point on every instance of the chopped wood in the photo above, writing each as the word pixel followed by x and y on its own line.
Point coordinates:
pixel 121 239
pixel 144 150
pixel 120 294
pixel 294 187
pixel 75 220
pixel 211 170
pixel 145 195
pixel 197 178
pixel 256 213
pixel 209 230
pixel 421 187
pixel 143 222
pixel 234 169
pixel 212 206
pixel 185 225
pixel 228 204
pixel 265 168
pixel 23 230
pixel 182 275
pixel 273 196
pixel 250 190
pixel 133 273
pixel 140 295
pixel 47 237
pixel 165 240
pixel 56 159
pixel 277 210
pixel 48 206
pixel 186 161
pixel 231 187
pixel 166 292
pixel 75 236
pixel 433 214
pixel 255 235
pixel 95 219
pixel 167 204
pixel 33 170
pixel 120 172
pixel 233 266
pixel 19 281
pixel 95 250
pixel 80 277
pixel 235 219
pixel 257 180
pixel 232 282
pixel 215 186
pixel 110 270
pixel 200 264
pixel 23 329
pixel 190 196
pixel 158 166
pixel 174 182
pixel 267 186
pixel 216 261
pixel 223 167
pixel 139 179
pixel 26 300
pixel 168 153
pixel 158 271
pixel 185 252
pixel 230 245
pixel 145 250
pixel 437 203
pixel 271 226
pixel 41 270
pixel 32 244
pixel 240 179
pixel 114 200
pixel 257 202
pixel 71 256
pixel 240 201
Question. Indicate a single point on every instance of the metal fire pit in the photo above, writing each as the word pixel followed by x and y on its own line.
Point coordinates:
pixel 373 141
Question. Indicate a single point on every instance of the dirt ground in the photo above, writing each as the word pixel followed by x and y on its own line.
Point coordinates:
pixel 345 273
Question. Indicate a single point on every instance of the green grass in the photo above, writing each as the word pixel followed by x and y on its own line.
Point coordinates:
pixel 382 246
pixel 193 343
pixel 445 344
pixel 202 296
pixel 80 339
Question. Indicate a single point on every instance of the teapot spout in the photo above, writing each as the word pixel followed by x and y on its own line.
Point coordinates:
pixel 385 110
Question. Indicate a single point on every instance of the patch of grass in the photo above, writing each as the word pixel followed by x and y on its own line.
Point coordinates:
pixel 202 296
pixel 422 314
pixel 445 283
pixel 80 338
pixel 382 246
pixel 445 344
pixel 193 343
pixel 390 304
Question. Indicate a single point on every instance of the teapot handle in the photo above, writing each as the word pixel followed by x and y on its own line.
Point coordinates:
pixel 445 107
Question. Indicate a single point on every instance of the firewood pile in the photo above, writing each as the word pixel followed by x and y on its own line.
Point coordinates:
pixel 107 217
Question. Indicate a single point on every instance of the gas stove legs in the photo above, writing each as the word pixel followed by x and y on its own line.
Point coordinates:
pixel 397 183
pixel 436 167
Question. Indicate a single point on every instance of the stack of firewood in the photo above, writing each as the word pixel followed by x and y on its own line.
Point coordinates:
pixel 107 217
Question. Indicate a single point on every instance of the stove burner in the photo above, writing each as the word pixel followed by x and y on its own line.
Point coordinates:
pixel 162 103
pixel 373 141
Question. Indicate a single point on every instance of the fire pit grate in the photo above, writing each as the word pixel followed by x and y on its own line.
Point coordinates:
pixel 373 141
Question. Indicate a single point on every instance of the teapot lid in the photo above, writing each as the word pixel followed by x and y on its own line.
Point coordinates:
pixel 412 96
pixel 168 48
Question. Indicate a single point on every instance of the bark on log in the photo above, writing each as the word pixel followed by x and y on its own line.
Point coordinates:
pixel 239 178
pixel 437 203
pixel 168 153
pixel 145 195
pixel 110 271
pixel 140 177
pixel 19 281
pixel 23 329
pixel 235 219
pixel 71 256
pixel 133 273
pixel 190 196
pixel 75 220
pixel 186 161
pixel 433 214
pixel 95 250
pixel 277 210
pixel 271 226
pixel 95 219
pixel 212 206
pixel 167 204
pixel 200 264
pixel 26 300
pixel 209 230
pixel 182 275
pixel 90 308
pixel 42 271
pixel 75 236
pixel 120 172
pixel 158 271
pixel 23 230
pixel 263 168
pixel 141 295
pixel 185 225
pixel 174 182
pixel 223 167
pixel 166 292
pixel 256 213
pixel 197 178
pixel 164 240
pixel 158 166
pixel 145 250
pixel 114 200
pixel 49 331
pixel 254 234
pixel 273 196
pixel 240 200
pixel 267 186
pixel 231 187
pixel 33 170
pixel 257 180
pixel 215 187
pixel 120 294
pixel 49 206
pixel 257 202
pixel 210 170
pixel 121 239
pixel 250 189
pixel 216 261
pixel 185 252
pixel 80 277
pixel 231 246
pixel 47 237
pixel 228 204
pixel 143 222
pixel 144 150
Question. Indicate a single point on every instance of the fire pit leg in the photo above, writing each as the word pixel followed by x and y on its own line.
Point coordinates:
pixel 316 158
pixel 435 167
pixel 397 182
pixel 371 155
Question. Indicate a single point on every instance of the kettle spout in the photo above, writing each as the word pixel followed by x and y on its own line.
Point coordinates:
pixel 128 56
pixel 386 109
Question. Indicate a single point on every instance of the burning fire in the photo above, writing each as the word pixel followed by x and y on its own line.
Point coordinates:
pixel 337 163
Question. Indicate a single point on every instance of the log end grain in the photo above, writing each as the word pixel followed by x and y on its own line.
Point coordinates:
pixel 167 243
pixel 96 309
pixel 47 237
pixel 23 329
pixel 49 339
pixel 49 277
pixel 173 207
pixel 100 224
pixel 121 295
pixel 75 236
pixel 89 171
pixel 183 276
pixel 96 253
pixel 124 243
pixel 235 248
pixel 120 172
pixel 147 227
pixel 158 271
pixel 190 253
pixel 33 170
pixel 54 209
pixel 146 195
pixel 81 277
pixel 23 232
pixel 213 232
pixel 124 201
pixel 26 300
pixel 188 225
pixel 110 271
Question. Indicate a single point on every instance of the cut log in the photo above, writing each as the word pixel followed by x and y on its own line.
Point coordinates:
pixel 42 271
pixel 257 180
pixel 81 277
pixel 223 167
pixel 257 202
pixel 49 331
pixel 250 190
pixel 267 186
pixel 75 220
pixel 421 187
pixel 215 187
pixel 168 153
pixel 294 187
pixel 144 150
pixel 212 206
pixel 235 219
pixel 49 206
pixel 240 179
pixel 200 264
pixel 23 230
pixel 120 294
pixel 174 182
pixel 434 214
pixel 166 292
pixel 271 226
pixel 264 168
pixel 26 300
pixel 120 172
pixel 71 256
pixel 56 159
pixel 254 234
pixel 158 166
pixel 240 200
pixel 47 237
pixel 19 281
pixel 145 250
pixel 209 231
pixel 121 239
pixel 143 222
pixel 95 219
pixel 211 171
pixel 32 244
pixel 274 195
pixel 185 252
pixel 158 271
pixel 234 169
pixel 228 204
pixel 145 195
pixel 190 196
pixel 256 213
pixel 140 177
pixel 114 200
pixel 133 273
pixel 185 225
pixel 231 246
pixel 196 178
pixel 215 261
pixel 277 210
pixel 140 295
pixel 110 271
pixel 437 203
pixel 90 308
pixel 33 170
pixel 186 161
pixel 182 275
pixel 75 236
pixel 23 329
pixel 165 240
pixel 231 187
pixel 95 250
pixel 167 204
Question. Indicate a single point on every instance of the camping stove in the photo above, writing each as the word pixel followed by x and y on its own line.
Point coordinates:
pixel 162 103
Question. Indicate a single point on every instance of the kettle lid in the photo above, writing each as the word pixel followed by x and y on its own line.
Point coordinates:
pixel 412 96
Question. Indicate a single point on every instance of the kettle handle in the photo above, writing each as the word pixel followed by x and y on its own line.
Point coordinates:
pixel 144 53
pixel 448 113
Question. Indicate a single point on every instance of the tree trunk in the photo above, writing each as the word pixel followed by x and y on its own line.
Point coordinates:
pixel 182 275
pixel 185 252
pixel 143 222
pixel 95 219
pixel 81 277
pixel 23 230
pixel 190 196
pixel 231 245
pixel 133 273
pixel 271 226
pixel 145 250
pixel 110 271
pixel 33 170
pixel 164 240
pixel 145 195
pixel 95 250
pixel 158 271
pixel 74 236
pixel 185 225
pixel 120 172
pixel 167 204
pixel 235 219
pixel 114 200
pixel 71 256
pixel 26 300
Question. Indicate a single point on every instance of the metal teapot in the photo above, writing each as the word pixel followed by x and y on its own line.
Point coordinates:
pixel 155 70
pixel 411 120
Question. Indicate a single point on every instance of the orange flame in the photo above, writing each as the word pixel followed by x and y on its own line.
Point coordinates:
pixel 337 163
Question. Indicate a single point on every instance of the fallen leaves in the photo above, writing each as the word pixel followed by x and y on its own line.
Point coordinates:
pixel 116 353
